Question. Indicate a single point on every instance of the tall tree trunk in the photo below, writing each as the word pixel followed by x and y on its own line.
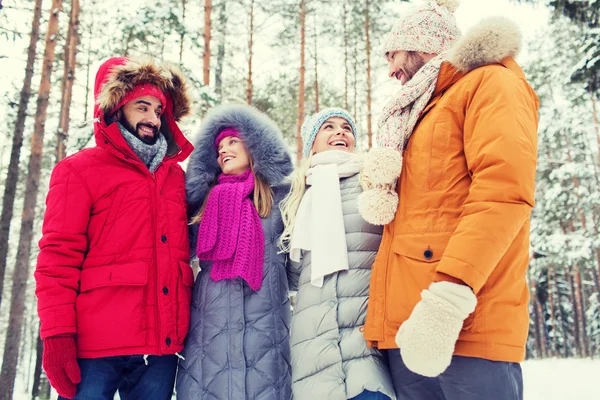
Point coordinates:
pixel 182 39
pixel 535 313
pixel 316 59
pixel 576 315
pixel 70 65
pixel 580 311
pixel 207 33
pixel 301 84
pixel 17 306
pixel 33 329
pixel 356 81
pixel 37 372
pixel 250 55
pixel 221 49
pixel 552 314
pixel 596 122
pixel 88 66
pixel 12 177
pixel 346 71
pixel 540 329
pixel 368 47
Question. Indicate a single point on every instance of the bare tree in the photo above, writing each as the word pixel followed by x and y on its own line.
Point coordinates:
pixel 221 49
pixel 346 71
pixel 182 33
pixel 207 35
pixel 316 59
pixel 88 64
pixel 17 305
pixel 368 48
pixel 67 83
pixel 301 84
pixel 355 82
pixel 250 55
pixel 12 177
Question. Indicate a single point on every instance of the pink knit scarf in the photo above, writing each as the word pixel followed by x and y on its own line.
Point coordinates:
pixel 230 232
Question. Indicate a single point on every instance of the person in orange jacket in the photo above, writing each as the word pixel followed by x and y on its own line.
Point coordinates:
pixel 448 286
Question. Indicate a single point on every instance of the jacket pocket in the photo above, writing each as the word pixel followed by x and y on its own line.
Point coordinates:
pixel 185 286
pixel 412 264
pixel 111 306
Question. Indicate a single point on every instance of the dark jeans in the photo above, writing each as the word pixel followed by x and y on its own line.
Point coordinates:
pixel 367 395
pixel 102 377
pixel 466 378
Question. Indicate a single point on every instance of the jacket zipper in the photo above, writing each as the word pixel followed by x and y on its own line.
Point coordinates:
pixel 153 202
pixel 154 229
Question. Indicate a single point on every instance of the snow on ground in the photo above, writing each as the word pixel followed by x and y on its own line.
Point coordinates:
pixel 552 379
pixel 562 379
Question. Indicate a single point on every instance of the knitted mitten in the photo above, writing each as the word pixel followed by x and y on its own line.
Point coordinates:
pixel 378 202
pixel 60 363
pixel 427 338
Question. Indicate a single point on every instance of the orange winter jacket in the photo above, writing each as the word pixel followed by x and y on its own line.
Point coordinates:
pixel 465 195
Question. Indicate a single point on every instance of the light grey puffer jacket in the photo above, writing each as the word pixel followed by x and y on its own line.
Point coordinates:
pixel 330 358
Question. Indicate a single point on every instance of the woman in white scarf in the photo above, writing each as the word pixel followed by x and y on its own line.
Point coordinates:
pixel 332 249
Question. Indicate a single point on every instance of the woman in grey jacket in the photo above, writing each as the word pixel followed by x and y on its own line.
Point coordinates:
pixel 238 343
pixel 333 249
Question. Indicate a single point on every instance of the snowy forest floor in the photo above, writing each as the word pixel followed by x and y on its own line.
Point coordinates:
pixel 551 379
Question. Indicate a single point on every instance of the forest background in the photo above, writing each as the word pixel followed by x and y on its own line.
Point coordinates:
pixel 290 58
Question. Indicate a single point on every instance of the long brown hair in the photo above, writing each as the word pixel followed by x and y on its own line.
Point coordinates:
pixel 262 197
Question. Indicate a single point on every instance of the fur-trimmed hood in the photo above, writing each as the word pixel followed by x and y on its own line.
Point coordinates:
pixel 262 138
pixel 490 41
pixel 117 76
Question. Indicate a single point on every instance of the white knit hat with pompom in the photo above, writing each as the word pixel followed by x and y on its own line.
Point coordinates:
pixel 429 27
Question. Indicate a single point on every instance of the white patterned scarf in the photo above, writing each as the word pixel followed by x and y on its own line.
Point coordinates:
pixel 401 114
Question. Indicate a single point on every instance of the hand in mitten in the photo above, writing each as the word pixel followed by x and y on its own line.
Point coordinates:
pixel 378 202
pixel 60 363
pixel 427 338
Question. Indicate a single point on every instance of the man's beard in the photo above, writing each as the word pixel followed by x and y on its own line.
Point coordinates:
pixel 148 140
pixel 414 62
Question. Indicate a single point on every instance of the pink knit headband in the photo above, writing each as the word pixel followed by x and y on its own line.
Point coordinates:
pixel 226 133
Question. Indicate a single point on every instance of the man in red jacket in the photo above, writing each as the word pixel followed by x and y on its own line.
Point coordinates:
pixel 112 278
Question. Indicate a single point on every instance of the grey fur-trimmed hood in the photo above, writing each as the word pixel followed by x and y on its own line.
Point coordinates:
pixel 262 137
pixel 488 42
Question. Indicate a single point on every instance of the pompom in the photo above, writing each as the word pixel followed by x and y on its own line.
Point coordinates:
pixel 451 5
pixel 382 165
pixel 378 206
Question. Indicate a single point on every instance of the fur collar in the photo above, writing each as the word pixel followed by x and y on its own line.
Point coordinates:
pixel 488 42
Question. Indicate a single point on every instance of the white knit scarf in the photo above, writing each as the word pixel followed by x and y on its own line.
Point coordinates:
pixel 319 224
pixel 400 115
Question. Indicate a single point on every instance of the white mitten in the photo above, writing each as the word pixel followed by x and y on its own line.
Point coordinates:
pixel 427 338
pixel 378 202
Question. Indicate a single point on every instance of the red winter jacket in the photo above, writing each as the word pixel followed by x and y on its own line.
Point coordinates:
pixel 113 264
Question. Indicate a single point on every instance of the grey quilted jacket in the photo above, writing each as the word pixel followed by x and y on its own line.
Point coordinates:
pixel 330 359
pixel 237 346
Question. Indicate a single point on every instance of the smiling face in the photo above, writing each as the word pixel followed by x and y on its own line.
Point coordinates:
pixel 233 156
pixel 142 118
pixel 334 134
pixel 405 64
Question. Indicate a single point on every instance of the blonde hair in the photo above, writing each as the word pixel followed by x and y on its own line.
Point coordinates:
pixel 262 197
pixel 289 205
